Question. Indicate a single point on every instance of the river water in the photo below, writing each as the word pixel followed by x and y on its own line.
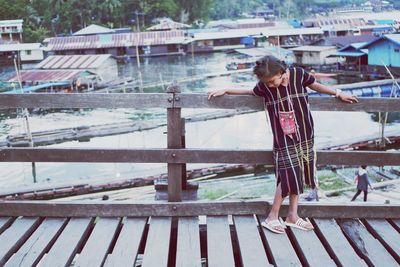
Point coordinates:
pixel 249 131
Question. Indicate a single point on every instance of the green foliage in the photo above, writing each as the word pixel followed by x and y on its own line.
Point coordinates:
pixel 228 9
pixel 213 194
pixel 32 35
pixel 13 9
pixel 46 18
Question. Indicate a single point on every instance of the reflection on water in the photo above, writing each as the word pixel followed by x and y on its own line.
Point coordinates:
pixel 249 131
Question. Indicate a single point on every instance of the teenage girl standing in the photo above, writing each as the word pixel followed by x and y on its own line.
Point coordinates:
pixel 286 101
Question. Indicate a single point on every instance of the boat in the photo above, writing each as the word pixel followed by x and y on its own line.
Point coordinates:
pixel 246 63
pixel 378 88
pixel 323 75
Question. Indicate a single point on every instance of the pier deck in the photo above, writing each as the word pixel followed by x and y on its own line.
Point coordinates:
pixel 194 234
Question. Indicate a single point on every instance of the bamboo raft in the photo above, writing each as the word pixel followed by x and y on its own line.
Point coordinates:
pixel 45 192
pixel 86 132
pixel 135 86
pixel 194 234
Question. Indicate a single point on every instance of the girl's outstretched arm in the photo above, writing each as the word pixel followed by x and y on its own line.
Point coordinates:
pixel 325 90
pixel 229 92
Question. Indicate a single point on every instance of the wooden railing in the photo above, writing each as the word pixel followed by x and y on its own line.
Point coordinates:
pixel 175 154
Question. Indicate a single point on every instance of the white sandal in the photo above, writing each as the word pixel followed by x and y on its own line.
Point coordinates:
pixel 301 224
pixel 272 226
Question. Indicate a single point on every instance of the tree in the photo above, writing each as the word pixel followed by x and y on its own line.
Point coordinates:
pixel 194 10
pixel 107 10
pixel 13 9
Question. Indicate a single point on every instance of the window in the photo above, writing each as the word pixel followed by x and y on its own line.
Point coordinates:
pixel 28 52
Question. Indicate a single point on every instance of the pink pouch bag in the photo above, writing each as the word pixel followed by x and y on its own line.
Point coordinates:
pixel 287 121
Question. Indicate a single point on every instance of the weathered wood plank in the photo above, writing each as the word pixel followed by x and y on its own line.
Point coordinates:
pixel 281 249
pixel 150 100
pixel 12 238
pixel 76 100
pixel 95 250
pixel 369 104
pixel 219 243
pixel 333 238
pixel 251 247
pixel 81 209
pixel 188 155
pixel 174 133
pixel 188 244
pixel 310 249
pixel 64 249
pixel 387 235
pixel 38 243
pixel 157 246
pixel 126 249
pixel 396 224
pixel 97 208
pixel 371 250
pixel 5 222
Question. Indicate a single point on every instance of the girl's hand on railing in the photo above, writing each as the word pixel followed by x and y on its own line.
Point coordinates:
pixel 216 93
pixel 348 98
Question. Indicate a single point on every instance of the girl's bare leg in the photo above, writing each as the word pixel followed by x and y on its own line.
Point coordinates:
pixel 276 205
pixel 292 213
pixel 293 216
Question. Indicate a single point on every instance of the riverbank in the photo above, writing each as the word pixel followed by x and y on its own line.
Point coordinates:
pixel 262 186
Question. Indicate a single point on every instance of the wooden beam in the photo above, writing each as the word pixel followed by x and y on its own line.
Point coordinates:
pixel 78 100
pixel 374 158
pixel 368 104
pixel 93 208
pixel 186 100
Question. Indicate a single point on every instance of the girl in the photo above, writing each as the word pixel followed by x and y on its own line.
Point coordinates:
pixel 286 101
pixel 362 182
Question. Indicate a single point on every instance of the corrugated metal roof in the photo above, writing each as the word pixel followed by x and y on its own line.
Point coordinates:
pixel 353 47
pixel 216 23
pixel 343 41
pixel 347 54
pixel 115 40
pixel 262 51
pixel 313 48
pixel 237 33
pixel 391 37
pixel 73 62
pixel 227 34
pixel 37 87
pixel 375 27
pixel 168 24
pixel 47 76
pixel 11 22
pixel 241 23
pixel 335 21
pixel 290 31
pixel 19 47
pixel 394 37
pixel 93 29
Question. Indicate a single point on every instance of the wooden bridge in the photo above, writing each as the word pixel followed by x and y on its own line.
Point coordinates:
pixel 173 234
pixel 190 234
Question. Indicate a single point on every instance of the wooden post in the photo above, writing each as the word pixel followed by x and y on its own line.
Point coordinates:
pixel 183 145
pixel 174 137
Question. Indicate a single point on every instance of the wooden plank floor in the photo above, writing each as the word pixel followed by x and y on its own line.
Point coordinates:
pixel 166 241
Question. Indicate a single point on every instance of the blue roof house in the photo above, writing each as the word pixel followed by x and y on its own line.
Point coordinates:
pixel 384 51
pixel 355 57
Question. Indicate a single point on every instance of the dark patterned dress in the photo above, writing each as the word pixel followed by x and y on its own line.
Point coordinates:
pixel 294 154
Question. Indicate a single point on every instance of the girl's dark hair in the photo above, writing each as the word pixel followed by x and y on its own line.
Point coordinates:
pixel 269 66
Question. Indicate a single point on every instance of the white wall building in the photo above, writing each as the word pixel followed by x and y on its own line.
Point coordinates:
pixel 28 52
pixel 314 55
